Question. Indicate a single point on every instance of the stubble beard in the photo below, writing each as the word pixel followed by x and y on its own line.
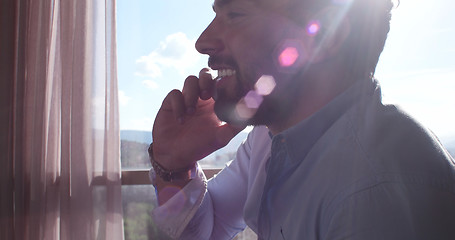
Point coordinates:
pixel 269 112
pixel 274 108
pixel 225 108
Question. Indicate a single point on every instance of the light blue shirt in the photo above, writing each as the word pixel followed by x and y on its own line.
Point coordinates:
pixel 354 170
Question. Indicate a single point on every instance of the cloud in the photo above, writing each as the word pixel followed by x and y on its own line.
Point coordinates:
pixel 150 84
pixel 122 98
pixel 144 124
pixel 176 52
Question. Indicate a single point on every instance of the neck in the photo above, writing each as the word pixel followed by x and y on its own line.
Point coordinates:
pixel 311 96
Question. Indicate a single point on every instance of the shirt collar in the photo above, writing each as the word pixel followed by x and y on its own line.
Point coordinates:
pixel 300 138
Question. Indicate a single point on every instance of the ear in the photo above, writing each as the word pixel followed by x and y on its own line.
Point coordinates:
pixel 333 29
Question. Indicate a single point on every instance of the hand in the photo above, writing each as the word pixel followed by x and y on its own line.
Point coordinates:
pixel 186 128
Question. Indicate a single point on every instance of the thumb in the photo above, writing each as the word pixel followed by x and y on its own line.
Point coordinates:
pixel 226 132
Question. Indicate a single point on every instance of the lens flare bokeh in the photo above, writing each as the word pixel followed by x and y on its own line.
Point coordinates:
pixel 265 85
pixel 288 56
pixel 313 28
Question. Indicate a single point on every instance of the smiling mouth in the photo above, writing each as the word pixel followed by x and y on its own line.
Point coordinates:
pixel 225 73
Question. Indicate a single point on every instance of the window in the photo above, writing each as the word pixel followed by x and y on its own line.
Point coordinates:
pixel 156 53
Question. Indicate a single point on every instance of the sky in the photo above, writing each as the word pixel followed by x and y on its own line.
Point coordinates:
pixel 155 40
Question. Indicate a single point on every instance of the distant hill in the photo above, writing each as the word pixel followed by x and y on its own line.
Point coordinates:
pixel 219 158
pixel 136 136
pixel 134 155
pixel 133 149
pixel 146 137
pixel 134 146
pixel 235 142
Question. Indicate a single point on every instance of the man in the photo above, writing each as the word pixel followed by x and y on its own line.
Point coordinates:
pixel 326 159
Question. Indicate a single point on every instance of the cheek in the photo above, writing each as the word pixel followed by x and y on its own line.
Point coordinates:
pixel 267 44
pixel 254 48
pixel 254 55
pixel 258 38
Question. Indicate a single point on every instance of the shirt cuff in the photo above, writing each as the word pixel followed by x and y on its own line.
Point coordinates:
pixel 173 216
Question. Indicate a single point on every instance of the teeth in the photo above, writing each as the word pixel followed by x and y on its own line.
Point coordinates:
pixel 225 73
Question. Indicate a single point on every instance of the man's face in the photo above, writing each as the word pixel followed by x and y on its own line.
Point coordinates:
pixel 257 52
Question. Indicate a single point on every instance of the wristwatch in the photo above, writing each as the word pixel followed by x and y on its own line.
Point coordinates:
pixel 186 173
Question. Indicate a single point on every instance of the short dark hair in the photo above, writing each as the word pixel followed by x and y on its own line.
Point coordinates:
pixel 369 22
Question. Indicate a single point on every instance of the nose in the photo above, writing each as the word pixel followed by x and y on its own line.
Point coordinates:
pixel 210 42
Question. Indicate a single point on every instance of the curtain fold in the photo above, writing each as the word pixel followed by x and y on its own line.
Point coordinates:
pixel 65 130
pixel 7 56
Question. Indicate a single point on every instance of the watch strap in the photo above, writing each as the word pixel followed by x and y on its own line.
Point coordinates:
pixel 171 175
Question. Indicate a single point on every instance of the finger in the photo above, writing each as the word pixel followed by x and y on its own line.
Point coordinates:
pixel 190 93
pixel 206 84
pixel 174 102
pixel 226 132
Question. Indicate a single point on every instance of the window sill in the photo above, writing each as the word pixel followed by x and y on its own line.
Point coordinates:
pixel 141 177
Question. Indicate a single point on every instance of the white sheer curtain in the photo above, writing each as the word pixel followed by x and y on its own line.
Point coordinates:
pixel 63 125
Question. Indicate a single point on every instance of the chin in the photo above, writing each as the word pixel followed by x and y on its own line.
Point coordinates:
pixel 227 112
pixel 227 109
